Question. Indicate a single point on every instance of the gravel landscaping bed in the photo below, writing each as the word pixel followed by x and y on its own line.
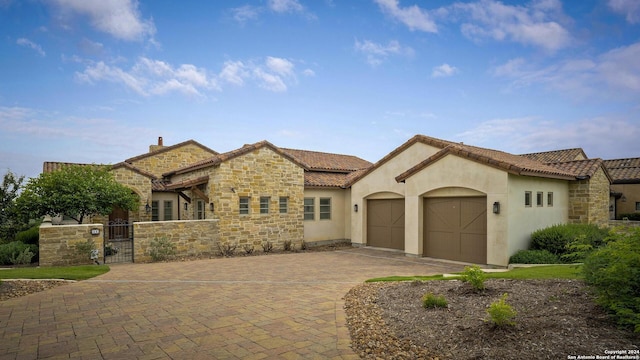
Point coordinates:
pixel 555 319
pixel 16 288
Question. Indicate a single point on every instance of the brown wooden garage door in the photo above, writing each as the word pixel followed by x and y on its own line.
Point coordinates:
pixel 456 229
pixel 385 223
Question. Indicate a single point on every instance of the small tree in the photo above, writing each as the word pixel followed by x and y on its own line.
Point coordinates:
pixel 9 189
pixel 75 191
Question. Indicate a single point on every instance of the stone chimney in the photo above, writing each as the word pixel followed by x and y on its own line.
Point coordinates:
pixel 160 145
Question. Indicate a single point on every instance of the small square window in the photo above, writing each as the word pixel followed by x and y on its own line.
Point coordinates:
pixel 284 205
pixel 549 199
pixel 309 209
pixel 264 205
pixel 325 208
pixel 637 206
pixel 244 205
pixel 527 198
pixel 539 197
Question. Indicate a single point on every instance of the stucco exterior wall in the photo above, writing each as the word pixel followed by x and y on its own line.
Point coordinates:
pixel 260 173
pixel 191 238
pixel 169 160
pixel 331 229
pixel 58 243
pixel 626 205
pixel 453 176
pixel 523 220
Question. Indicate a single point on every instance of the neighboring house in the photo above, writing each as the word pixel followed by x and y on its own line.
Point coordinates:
pixel 429 197
pixel 625 186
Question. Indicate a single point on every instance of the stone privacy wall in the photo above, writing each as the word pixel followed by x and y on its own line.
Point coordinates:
pixel 191 238
pixel 165 160
pixel 589 200
pixel 58 243
pixel 262 172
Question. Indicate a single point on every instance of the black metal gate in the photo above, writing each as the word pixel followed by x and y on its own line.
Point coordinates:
pixel 118 242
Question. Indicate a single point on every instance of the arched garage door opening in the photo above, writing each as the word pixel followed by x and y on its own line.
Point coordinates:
pixel 455 228
pixel 385 223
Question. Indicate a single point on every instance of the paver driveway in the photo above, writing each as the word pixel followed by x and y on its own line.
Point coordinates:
pixel 277 306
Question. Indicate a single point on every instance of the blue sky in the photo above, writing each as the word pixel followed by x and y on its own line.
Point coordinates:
pixel 99 81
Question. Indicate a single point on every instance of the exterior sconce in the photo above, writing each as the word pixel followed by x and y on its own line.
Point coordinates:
pixel 355 208
pixel 147 208
pixel 623 198
pixel 233 190
pixel 186 205
pixel 496 207
pixel 211 206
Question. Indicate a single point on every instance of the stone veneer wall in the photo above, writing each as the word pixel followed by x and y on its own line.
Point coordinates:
pixel 191 238
pixel 589 200
pixel 173 159
pixel 141 185
pixel 57 243
pixel 260 173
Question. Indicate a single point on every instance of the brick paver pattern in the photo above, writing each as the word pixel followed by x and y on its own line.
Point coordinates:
pixel 284 306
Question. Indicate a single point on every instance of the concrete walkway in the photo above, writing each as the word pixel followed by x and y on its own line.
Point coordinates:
pixel 285 306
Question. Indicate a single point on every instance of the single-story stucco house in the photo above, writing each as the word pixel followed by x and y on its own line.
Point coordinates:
pixel 428 197
pixel 625 186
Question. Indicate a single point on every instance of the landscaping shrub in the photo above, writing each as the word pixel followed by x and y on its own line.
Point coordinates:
pixel 501 313
pixel 161 249
pixel 16 252
pixel 248 249
pixel 267 246
pixel 430 301
pixel 534 257
pixel 614 272
pixel 288 245
pixel 474 276
pixel 557 238
pixel 29 236
pixel 227 250
pixel 83 251
pixel 630 216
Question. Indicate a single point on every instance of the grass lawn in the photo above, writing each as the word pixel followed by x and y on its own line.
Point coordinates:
pixel 56 272
pixel 536 272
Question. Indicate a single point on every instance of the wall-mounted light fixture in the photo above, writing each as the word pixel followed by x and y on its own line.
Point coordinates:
pixel 355 208
pixel 186 206
pixel 623 198
pixel 211 206
pixel 147 208
pixel 233 190
pixel 496 207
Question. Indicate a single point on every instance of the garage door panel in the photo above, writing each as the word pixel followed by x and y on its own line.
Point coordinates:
pixel 456 229
pixel 385 223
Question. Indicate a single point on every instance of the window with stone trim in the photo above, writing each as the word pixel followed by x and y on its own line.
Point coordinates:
pixel 325 208
pixel 309 208
pixel 264 204
pixel 244 205
pixel 284 205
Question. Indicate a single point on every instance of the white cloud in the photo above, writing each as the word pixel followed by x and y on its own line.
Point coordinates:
pixel 444 70
pixel 245 13
pixel 537 23
pixel 413 17
pixel 119 18
pixel 283 6
pixel 309 73
pixel 30 44
pixel 378 53
pixel 616 69
pixel 629 8
pixel 234 72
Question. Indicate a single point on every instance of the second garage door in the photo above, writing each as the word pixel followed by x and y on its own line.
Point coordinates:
pixel 456 229
pixel 385 223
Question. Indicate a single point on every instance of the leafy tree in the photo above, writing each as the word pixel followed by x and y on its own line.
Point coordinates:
pixel 76 191
pixel 11 185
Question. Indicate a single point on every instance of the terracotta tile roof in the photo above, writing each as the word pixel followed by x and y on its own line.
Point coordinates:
pixel 320 161
pixel 168 148
pixel 325 179
pixel 582 168
pixel 186 183
pixel 51 166
pixel 220 158
pixel 557 156
pixel 134 169
pixel 624 171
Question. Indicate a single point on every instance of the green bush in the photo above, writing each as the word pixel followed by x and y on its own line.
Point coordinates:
pixel 83 251
pixel 534 257
pixel 474 276
pixel 29 236
pixel 161 249
pixel 16 252
pixel 614 272
pixel 631 216
pixel 501 313
pixel 430 301
pixel 557 239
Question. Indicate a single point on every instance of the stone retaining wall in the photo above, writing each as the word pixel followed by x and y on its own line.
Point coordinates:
pixel 58 243
pixel 624 223
pixel 190 237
